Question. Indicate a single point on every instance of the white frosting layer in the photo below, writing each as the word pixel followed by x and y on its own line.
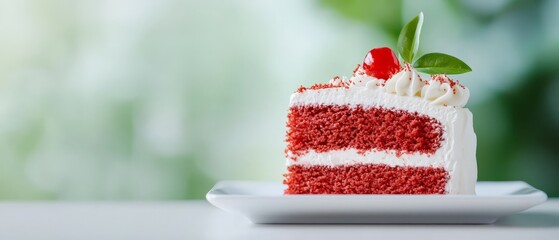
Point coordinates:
pixel 351 156
pixel 456 154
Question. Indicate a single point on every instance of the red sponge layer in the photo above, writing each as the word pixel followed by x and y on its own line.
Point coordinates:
pixel 329 127
pixel 365 179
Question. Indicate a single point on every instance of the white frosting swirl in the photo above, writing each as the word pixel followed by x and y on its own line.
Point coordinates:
pixel 439 90
pixel 361 79
pixel 405 83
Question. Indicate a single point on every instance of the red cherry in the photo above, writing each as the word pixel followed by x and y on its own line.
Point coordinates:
pixel 381 63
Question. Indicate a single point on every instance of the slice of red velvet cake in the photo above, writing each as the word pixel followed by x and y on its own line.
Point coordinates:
pixel 386 130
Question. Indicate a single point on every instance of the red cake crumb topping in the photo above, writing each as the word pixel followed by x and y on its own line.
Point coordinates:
pixel 443 78
pixel 356 69
pixel 365 179
pixel 328 127
pixel 321 86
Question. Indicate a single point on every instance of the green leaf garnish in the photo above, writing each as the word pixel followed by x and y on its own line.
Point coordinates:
pixel 408 41
pixel 440 63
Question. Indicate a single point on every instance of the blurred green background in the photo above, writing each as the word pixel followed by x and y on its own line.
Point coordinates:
pixel 159 99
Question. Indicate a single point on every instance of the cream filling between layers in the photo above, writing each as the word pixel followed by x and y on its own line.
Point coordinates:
pixel 456 154
pixel 351 156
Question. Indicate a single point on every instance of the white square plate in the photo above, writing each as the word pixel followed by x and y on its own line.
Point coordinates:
pixel 264 202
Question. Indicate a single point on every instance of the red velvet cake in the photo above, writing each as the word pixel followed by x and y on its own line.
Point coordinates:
pixel 386 130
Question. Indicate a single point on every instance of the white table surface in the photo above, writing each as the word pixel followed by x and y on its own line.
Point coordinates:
pixel 200 220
